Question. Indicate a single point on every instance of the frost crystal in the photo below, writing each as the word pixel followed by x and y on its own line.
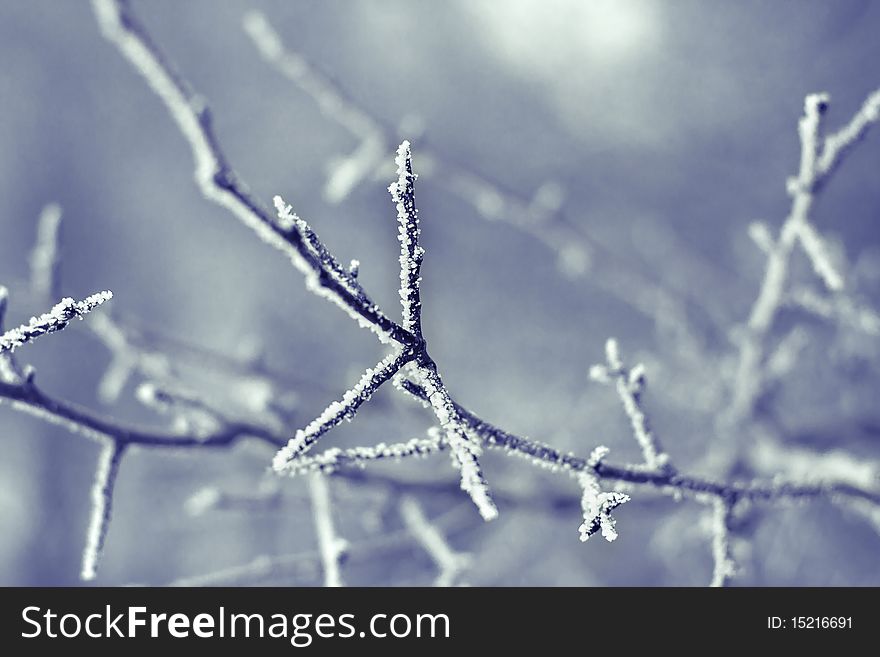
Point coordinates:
pixel 338 411
pixel 597 507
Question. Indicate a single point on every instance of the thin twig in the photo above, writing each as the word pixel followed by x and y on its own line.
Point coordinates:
pixel 331 546
pixel 630 384
pixel 102 506
pixel 56 319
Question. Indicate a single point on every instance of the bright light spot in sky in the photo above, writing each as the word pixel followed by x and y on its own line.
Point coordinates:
pixel 597 63
pixel 541 34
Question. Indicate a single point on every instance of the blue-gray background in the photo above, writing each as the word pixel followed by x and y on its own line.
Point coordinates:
pixel 670 127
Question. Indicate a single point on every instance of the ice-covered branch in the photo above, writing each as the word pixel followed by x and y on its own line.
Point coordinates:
pixel 411 253
pixel 45 258
pixel 56 319
pixel 465 451
pixel 331 546
pixel 630 384
pixel 102 505
pixel 334 459
pixel 215 178
pixel 461 433
pixel 345 409
pixel 450 564
pixel 667 482
pixel 819 159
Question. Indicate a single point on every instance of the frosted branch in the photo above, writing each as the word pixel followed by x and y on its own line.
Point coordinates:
pixel 330 267
pixel 345 409
pixel 465 451
pixel 56 319
pixel 819 159
pixel 668 482
pixel 335 459
pixel 331 546
pixel 450 563
pixel 215 178
pixel 102 506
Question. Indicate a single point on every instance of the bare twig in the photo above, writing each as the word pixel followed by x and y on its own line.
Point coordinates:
pixel 819 159
pixel 460 431
pixel 216 179
pixel 630 384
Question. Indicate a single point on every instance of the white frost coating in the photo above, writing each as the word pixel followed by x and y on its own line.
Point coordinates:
pixel 216 180
pixel 331 546
pixel 55 320
pixel 597 507
pixel 338 411
pixel 630 384
pixel 819 159
pixel 290 221
pixel 102 503
pixel 411 254
pixel 465 452
pixel 331 460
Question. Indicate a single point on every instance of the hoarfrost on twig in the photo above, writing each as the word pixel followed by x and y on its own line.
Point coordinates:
pixel 56 319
